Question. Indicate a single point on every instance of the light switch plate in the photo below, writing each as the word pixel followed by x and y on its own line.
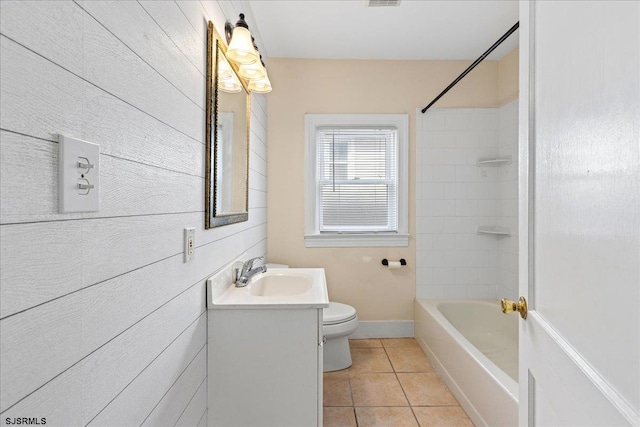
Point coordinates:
pixel 189 243
pixel 78 175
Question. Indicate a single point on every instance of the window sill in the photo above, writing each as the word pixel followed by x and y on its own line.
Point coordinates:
pixel 355 240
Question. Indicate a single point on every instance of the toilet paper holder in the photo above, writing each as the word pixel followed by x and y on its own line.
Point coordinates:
pixel 385 262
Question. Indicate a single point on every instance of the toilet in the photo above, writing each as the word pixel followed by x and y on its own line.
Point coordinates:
pixel 338 322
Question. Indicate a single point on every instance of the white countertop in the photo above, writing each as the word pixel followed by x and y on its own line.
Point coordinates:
pixel 222 294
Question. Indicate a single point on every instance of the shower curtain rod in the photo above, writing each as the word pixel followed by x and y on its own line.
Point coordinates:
pixel 472 66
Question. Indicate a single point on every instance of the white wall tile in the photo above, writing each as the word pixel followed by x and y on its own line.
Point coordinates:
pixel 488 276
pixel 455 190
pixel 431 225
pixel 442 173
pixel 466 207
pixel 488 139
pixel 466 275
pixel 456 156
pixel 443 207
pixel 456 291
pixel 433 291
pixel 439 139
pixel 444 276
pixel 466 139
pixel 444 242
pixel 432 156
pixel 455 196
pixel 481 292
pixel 431 120
pixel 467 174
pixel 432 191
pixel 487 207
pixel 431 259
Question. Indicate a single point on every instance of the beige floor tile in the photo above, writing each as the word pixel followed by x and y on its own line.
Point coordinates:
pixel 426 389
pixel 444 416
pixel 409 359
pixel 336 391
pixel 399 342
pixel 385 417
pixel 338 417
pixel 377 390
pixel 368 343
pixel 344 373
pixel 369 360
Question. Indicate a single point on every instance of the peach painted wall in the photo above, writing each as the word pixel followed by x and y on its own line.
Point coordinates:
pixel 508 77
pixel 354 275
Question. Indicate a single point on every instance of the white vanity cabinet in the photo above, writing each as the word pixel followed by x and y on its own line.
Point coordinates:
pixel 265 367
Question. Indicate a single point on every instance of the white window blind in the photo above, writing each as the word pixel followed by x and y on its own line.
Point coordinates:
pixel 357 171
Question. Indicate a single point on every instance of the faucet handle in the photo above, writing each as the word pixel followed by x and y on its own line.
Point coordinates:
pixel 248 265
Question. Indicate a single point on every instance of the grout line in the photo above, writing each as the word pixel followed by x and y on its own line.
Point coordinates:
pixel 404 392
pixel 353 402
pixel 401 387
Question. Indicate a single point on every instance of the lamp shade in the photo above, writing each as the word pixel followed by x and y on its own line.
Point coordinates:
pixel 262 85
pixel 253 71
pixel 224 69
pixel 241 48
pixel 230 86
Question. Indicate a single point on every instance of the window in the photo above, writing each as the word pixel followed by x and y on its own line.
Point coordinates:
pixel 357 178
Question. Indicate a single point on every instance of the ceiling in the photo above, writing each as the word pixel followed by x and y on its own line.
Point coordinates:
pixel 415 29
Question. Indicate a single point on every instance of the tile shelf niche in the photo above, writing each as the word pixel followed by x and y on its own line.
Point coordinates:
pixel 494 161
pixel 494 229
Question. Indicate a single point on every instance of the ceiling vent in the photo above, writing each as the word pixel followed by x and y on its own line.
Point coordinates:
pixel 378 3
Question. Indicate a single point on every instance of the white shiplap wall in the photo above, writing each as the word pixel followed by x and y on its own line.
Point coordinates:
pixel 101 322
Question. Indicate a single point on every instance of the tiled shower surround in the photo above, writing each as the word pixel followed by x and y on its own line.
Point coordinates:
pixel 454 196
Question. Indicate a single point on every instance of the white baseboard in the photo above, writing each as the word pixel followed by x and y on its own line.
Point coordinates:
pixel 384 329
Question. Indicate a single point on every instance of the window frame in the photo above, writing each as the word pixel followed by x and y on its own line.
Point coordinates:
pixel 313 237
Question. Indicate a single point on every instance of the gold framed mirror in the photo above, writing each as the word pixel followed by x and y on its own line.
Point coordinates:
pixel 227 138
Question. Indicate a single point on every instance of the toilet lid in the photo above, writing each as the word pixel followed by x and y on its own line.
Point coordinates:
pixel 337 313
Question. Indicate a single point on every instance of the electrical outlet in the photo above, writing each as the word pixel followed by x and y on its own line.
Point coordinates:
pixel 189 243
pixel 78 175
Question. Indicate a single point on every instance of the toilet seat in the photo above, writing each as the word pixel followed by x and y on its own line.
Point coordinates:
pixel 337 313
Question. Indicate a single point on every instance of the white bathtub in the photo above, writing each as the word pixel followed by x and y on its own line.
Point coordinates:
pixel 474 348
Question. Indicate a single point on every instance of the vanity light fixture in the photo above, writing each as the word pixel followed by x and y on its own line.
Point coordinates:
pixel 243 52
pixel 227 79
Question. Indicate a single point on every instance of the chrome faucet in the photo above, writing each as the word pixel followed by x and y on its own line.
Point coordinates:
pixel 247 272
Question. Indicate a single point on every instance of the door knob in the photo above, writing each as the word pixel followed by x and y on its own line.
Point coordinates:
pixel 509 306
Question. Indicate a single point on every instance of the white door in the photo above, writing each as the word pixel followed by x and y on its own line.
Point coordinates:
pixel 580 185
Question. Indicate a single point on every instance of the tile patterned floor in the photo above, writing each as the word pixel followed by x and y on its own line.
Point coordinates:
pixel 390 384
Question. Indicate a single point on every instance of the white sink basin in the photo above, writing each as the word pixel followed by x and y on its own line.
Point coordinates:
pixel 279 284
pixel 276 288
